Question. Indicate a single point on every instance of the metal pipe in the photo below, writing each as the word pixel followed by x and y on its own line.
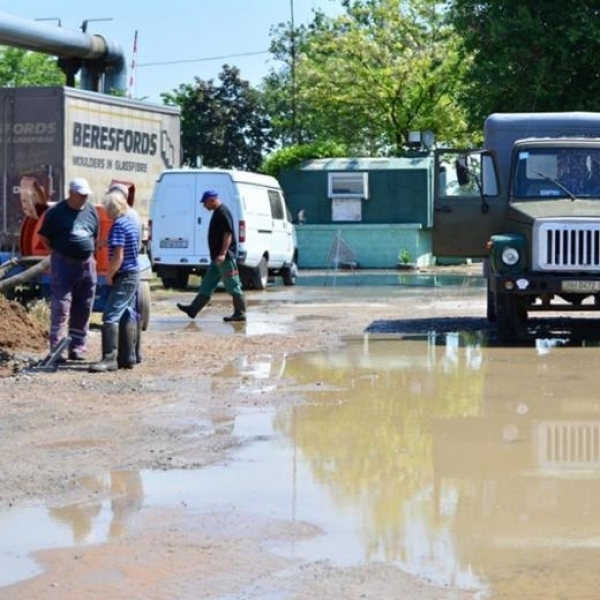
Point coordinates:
pixel 98 56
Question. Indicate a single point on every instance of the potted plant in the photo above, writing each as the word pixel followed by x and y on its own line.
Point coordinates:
pixel 405 260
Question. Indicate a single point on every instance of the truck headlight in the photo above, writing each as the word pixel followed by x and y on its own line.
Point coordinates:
pixel 510 256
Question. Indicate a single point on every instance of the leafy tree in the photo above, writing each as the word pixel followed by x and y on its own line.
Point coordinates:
pixel 370 76
pixel 23 68
pixel 223 125
pixel 529 55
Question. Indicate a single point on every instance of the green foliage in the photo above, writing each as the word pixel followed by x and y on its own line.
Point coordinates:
pixel 21 68
pixel 293 156
pixel 369 77
pixel 537 55
pixel 223 125
pixel 404 256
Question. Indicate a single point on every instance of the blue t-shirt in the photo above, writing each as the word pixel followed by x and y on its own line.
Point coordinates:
pixel 124 233
pixel 71 232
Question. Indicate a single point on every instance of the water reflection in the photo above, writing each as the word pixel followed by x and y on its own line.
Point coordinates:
pixel 114 498
pixel 467 465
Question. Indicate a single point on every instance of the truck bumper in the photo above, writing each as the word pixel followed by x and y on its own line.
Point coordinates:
pixel 537 284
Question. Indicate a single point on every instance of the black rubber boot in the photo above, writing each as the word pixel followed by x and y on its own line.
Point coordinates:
pixel 138 339
pixel 239 310
pixel 110 335
pixel 127 356
pixel 198 303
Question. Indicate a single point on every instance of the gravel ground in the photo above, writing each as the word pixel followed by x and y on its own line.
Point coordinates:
pixel 59 428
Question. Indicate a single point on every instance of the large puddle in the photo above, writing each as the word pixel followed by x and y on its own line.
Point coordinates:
pixel 463 464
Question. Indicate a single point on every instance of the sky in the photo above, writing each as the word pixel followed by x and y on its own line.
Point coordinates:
pixel 179 40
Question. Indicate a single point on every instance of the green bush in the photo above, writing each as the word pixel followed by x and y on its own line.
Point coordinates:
pixel 293 156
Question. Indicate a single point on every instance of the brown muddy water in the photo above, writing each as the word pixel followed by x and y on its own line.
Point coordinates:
pixel 464 464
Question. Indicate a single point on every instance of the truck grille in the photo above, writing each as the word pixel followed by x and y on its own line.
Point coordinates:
pixel 564 246
pixel 569 444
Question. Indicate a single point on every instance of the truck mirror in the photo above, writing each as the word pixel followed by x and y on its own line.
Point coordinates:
pixel 462 172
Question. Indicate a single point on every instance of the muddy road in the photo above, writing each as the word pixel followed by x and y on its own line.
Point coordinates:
pixel 349 441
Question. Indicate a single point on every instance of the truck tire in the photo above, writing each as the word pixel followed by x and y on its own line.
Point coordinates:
pixel 511 316
pixel 289 274
pixel 491 305
pixel 143 303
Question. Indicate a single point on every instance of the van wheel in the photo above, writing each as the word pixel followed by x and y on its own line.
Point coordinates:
pixel 260 275
pixel 168 282
pixel 181 279
pixel 177 281
pixel 289 274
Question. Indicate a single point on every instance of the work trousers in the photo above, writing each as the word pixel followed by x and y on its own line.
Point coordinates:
pixel 72 293
pixel 227 272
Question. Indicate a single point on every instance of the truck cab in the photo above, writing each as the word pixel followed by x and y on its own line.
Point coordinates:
pixel 529 206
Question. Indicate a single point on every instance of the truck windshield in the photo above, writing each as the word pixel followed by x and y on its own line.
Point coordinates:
pixel 557 173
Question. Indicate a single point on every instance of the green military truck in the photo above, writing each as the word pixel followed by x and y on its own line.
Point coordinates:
pixel 528 204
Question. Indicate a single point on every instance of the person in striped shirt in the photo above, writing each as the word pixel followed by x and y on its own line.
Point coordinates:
pixel 122 275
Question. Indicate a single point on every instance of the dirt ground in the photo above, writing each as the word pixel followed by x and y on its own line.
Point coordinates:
pixel 59 428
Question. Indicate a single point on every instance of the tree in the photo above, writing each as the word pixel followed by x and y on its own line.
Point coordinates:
pixel 23 68
pixel 222 125
pixel 529 55
pixel 373 74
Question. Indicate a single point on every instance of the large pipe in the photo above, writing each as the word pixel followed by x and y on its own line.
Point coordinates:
pixel 95 55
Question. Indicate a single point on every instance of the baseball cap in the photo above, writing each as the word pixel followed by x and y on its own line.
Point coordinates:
pixel 209 194
pixel 79 185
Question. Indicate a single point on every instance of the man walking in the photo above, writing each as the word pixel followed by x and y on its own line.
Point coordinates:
pixel 222 245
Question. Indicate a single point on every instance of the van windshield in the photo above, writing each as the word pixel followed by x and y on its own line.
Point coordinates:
pixel 557 173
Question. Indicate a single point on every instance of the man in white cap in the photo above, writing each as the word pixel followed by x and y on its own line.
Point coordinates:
pixel 70 232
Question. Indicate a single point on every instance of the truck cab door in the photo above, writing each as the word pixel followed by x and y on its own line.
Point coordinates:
pixel 467 205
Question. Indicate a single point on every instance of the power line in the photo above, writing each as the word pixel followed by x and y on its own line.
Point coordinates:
pixel 191 60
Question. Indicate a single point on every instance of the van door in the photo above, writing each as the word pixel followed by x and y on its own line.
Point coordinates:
pixel 173 219
pixel 256 215
pixel 282 245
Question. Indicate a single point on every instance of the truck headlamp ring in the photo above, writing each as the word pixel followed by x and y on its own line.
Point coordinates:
pixel 510 256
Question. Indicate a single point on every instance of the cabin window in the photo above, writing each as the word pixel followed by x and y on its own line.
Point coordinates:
pixel 347 184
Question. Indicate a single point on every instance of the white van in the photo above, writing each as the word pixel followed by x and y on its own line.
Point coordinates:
pixel 179 226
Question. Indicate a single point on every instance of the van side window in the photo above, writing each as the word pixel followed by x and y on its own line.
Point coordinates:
pixel 277 211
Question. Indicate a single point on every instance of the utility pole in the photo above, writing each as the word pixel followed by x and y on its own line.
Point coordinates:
pixel 293 71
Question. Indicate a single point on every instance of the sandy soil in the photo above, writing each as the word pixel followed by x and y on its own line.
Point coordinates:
pixel 59 428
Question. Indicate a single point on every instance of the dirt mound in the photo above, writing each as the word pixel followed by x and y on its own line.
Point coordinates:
pixel 20 333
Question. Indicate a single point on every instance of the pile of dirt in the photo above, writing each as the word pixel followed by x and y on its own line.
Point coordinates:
pixel 20 334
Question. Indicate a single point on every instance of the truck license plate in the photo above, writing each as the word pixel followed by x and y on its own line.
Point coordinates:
pixel 580 285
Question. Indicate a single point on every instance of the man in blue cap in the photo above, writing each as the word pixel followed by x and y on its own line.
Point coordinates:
pixel 222 245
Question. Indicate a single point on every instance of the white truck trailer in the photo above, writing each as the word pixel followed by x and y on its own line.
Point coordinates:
pixel 53 134
pixel 48 136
